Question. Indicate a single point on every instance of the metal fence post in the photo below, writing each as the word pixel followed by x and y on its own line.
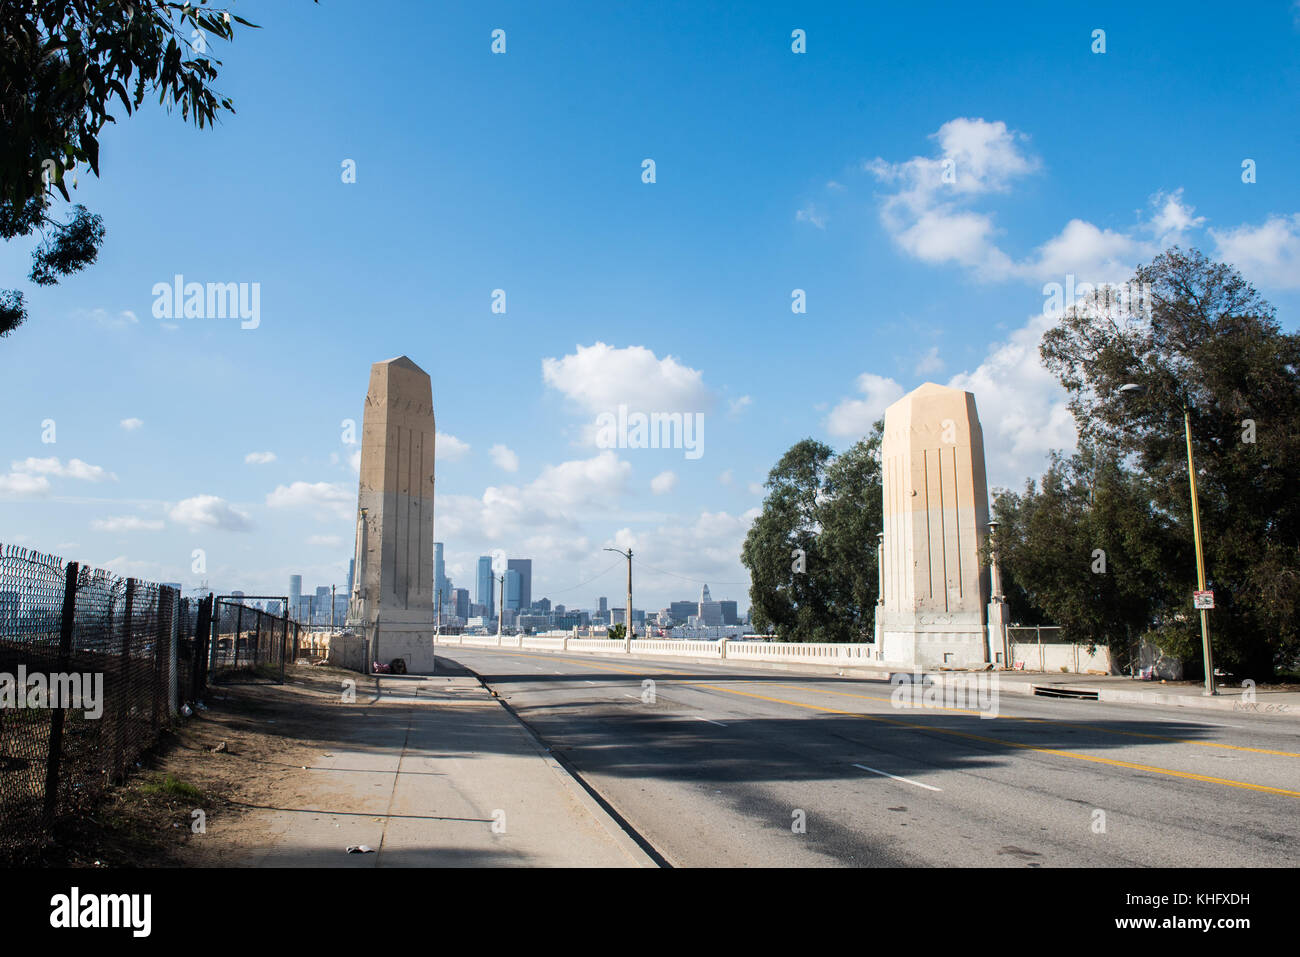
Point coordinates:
pixel 179 611
pixel 56 714
pixel 160 655
pixel 1042 663
pixel 124 682
pixel 202 636
pixel 239 630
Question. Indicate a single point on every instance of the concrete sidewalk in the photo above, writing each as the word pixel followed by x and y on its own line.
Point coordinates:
pixel 1122 689
pixel 435 772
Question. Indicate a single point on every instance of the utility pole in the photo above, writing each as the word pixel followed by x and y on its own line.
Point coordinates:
pixel 331 609
pixel 627 612
pixel 1133 389
pixel 437 629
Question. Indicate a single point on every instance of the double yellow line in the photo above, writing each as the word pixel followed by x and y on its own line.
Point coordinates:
pixel 1000 742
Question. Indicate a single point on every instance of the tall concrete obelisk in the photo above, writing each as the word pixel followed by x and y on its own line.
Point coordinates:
pixel 392 592
pixel 936 514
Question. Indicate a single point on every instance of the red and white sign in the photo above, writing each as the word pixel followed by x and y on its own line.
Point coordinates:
pixel 1203 599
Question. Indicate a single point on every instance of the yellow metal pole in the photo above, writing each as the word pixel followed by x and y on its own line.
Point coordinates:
pixel 1200 556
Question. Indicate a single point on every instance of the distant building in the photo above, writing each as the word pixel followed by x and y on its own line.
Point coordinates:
pixel 440 584
pixel 352 570
pixel 604 606
pixel 295 591
pixel 679 611
pixel 460 602
pixel 710 613
pixel 729 614
pixel 485 590
pixel 513 589
pixel 525 568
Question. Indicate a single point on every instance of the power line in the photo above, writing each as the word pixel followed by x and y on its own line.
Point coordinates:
pixel 561 591
pixel 697 581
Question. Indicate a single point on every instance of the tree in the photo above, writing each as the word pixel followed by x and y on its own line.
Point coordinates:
pixel 618 632
pixel 63 63
pixel 1207 342
pixel 811 553
pixel 1084 549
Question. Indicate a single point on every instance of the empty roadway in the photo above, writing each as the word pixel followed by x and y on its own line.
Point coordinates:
pixel 717 769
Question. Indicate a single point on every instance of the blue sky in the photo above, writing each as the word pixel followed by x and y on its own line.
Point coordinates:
pixel 522 171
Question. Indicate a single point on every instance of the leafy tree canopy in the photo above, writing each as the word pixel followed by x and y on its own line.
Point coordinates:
pixel 811 554
pixel 64 65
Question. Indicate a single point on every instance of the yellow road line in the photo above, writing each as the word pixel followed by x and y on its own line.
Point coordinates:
pixel 1052 721
pixel 1150 769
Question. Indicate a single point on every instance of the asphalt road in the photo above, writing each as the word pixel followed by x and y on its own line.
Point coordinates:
pixel 726 762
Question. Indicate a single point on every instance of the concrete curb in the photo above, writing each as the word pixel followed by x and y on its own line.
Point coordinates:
pixel 626 843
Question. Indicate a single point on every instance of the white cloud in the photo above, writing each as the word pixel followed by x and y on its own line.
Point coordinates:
pixel 354 461
pixel 600 377
pixel 930 362
pixel 726 477
pixel 127 523
pixel 325 499
pixel 1172 218
pixel 811 214
pixel 120 320
pixel 209 511
pixel 554 502
pixel 259 458
pixel 131 424
pixel 23 485
pixel 737 406
pixel 1092 254
pixel 930 216
pixel 75 469
pixel 853 418
pixel 504 459
pixel 1268 255
pixel 331 541
pixel 1023 409
pixel 756 488
pixel 449 448
pixel 664 482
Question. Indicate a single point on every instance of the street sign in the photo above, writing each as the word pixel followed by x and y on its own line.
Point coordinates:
pixel 1203 599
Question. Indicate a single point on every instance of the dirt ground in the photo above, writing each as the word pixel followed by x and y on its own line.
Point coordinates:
pixel 248 750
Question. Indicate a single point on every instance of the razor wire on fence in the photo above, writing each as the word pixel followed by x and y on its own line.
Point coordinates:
pixel 92 666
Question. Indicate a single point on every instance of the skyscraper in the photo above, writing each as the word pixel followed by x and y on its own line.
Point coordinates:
pixel 352 570
pixel 439 579
pixel 485 593
pixel 525 568
pixel 513 589
pixel 295 593
pixel 710 610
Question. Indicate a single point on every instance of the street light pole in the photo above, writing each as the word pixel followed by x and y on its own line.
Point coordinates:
pixel 1207 655
pixel 627 614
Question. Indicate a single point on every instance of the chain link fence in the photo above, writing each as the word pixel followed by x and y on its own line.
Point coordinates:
pixel 250 643
pixel 92 666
